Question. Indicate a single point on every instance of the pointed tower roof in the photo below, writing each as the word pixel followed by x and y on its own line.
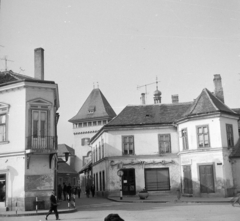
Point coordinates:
pixel 95 107
pixel 207 102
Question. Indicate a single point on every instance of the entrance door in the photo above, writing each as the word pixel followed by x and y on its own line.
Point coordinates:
pixel 128 182
pixel 2 190
pixel 187 179
pixel 206 179
pixel 39 129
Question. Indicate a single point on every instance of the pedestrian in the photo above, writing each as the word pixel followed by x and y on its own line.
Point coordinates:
pixel 53 206
pixel 64 191
pixel 237 199
pixel 69 191
pixel 59 191
pixel 79 191
pixel 87 191
pixel 93 190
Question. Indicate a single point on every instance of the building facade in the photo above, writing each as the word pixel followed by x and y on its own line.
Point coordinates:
pixel 166 147
pixel 28 137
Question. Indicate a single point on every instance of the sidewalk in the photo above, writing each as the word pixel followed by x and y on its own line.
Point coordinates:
pixel 171 199
pixel 63 207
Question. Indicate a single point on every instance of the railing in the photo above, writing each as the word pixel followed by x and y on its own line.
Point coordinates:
pixel 41 143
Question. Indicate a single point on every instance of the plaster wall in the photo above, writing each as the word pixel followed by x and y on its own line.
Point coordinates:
pixel 210 157
pixel 14 180
pixel 145 141
pixel 214 132
pixel 236 174
pixel 15 120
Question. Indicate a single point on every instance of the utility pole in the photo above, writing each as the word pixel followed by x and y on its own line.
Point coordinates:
pixel 156 82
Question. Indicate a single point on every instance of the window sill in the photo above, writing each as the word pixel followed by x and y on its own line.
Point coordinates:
pixel 4 142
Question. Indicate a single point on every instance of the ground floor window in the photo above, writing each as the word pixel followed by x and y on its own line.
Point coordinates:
pixel 157 179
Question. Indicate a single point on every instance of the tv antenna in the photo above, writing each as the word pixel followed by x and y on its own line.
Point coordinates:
pixel 6 61
pixel 21 70
pixel 156 82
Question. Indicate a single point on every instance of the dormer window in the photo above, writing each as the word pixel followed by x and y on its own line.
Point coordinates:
pixel 91 109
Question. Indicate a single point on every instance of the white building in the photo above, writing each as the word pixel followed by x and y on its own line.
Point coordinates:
pixel 28 138
pixel 165 147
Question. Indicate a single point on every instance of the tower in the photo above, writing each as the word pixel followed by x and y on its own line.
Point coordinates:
pixel 94 113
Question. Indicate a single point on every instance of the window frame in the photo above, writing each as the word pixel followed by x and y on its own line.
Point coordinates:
pixel 209 143
pixel 4 110
pixel 232 137
pixel 133 143
pixel 159 149
pixel 185 144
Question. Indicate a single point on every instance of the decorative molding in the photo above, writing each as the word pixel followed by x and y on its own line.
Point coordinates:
pixel 143 163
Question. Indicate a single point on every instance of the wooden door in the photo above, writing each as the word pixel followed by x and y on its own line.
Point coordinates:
pixel 187 179
pixel 128 182
pixel 206 179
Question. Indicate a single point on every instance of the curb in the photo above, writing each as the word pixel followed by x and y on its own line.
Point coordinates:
pixel 37 214
pixel 175 201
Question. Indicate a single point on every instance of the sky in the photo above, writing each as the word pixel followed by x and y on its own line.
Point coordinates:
pixel 123 45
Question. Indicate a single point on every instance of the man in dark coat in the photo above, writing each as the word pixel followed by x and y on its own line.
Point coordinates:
pixel 53 206
pixel 64 191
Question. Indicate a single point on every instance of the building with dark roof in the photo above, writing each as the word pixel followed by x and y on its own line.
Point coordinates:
pixel 28 137
pixel 92 116
pixel 167 147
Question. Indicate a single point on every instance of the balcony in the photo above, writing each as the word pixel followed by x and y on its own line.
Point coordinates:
pixel 41 144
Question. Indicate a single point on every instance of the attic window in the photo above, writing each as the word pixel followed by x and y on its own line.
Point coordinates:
pixel 148 115
pixel 91 109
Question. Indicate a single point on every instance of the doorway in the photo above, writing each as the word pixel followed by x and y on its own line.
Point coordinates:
pixel 187 180
pixel 128 182
pixel 206 179
pixel 2 190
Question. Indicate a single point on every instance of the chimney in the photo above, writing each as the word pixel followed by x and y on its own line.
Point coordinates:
pixel 39 63
pixel 218 92
pixel 175 98
pixel 143 98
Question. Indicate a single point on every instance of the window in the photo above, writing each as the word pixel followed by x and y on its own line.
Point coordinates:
pixel 89 124
pixel 229 129
pixel 100 181
pixel 103 180
pixel 128 145
pixel 102 148
pixel 185 139
pixel 85 124
pixel 39 123
pixel 99 122
pixel 96 153
pixel 164 143
pixel 2 128
pixel 104 122
pixel 99 152
pixel 94 123
pixel 203 136
pixel 85 141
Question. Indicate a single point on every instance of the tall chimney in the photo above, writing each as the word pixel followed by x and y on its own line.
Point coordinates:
pixel 39 63
pixel 175 98
pixel 143 98
pixel 218 92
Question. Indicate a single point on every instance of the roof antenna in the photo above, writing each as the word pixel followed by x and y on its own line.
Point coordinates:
pixel 21 70
pixel 6 60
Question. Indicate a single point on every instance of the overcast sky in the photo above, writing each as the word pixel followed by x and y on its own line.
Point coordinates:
pixel 124 44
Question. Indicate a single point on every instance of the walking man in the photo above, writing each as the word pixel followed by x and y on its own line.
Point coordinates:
pixel 53 206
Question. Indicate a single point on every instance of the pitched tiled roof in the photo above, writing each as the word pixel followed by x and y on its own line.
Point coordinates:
pixel 9 77
pixel 95 107
pixel 150 114
pixel 63 167
pixel 207 103
pixel 62 148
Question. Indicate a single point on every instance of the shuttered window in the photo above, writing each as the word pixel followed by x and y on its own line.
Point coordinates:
pixel 157 179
